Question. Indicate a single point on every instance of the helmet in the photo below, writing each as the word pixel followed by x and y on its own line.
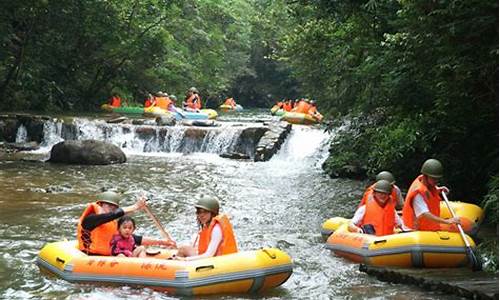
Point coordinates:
pixel 208 203
pixel 109 197
pixel 385 175
pixel 383 186
pixel 193 89
pixel 432 168
pixel 312 102
pixel 173 97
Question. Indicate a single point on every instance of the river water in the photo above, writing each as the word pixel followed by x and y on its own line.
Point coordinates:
pixel 280 203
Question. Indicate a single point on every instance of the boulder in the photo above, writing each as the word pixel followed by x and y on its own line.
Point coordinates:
pixel 234 155
pixel 86 152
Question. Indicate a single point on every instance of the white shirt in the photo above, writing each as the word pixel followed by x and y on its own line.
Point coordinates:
pixel 360 214
pixel 419 205
pixel 215 240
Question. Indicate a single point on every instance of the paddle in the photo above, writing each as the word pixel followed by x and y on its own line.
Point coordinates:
pixel 155 220
pixel 476 265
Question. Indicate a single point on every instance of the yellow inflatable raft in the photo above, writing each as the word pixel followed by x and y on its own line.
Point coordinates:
pixel 419 249
pixel 242 272
pixel 471 217
pixel 299 118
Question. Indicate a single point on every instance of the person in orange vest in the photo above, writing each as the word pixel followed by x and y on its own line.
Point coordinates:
pixel 115 100
pixel 162 100
pixel 378 215
pixel 192 101
pixel 395 193
pixel 98 223
pixel 302 106
pixel 216 236
pixel 230 101
pixel 313 111
pixel 421 209
pixel 149 101
pixel 287 105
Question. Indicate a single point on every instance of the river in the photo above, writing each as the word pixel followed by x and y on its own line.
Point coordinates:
pixel 279 203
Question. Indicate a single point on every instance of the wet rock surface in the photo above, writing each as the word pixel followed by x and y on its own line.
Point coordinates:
pixel 87 152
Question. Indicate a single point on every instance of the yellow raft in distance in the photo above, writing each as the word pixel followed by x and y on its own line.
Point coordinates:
pixel 299 118
pixel 242 272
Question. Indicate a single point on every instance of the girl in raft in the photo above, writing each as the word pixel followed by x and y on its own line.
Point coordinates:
pixel 215 237
pixel 126 243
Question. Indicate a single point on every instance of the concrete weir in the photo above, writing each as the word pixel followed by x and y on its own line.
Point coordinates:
pixel 256 141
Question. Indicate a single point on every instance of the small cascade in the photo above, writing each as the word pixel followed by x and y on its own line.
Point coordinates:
pixel 139 139
pixel 52 134
pixel 303 144
pixel 22 134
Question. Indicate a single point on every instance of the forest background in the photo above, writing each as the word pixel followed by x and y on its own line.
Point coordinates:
pixel 413 79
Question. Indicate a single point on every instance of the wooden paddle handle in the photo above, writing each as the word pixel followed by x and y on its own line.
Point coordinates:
pixel 155 220
pixel 462 233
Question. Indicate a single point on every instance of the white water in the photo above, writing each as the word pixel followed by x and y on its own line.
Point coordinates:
pixel 156 140
pixel 21 134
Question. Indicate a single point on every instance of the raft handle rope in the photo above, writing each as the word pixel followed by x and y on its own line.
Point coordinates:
pixel 271 255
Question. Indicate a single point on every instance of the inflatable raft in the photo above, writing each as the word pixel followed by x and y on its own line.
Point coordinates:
pixel 299 118
pixel 228 108
pixel 127 110
pixel 277 111
pixel 204 114
pixel 242 272
pixel 471 217
pixel 418 249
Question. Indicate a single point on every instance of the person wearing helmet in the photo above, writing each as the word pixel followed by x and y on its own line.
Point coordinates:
pixel 115 100
pixel 230 102
pixel 421 208
pixel 302 106
pixel 192 102
pixel 215 237
pixel 98 223
pixel 396 191
pixel 378 215
pixel 313 111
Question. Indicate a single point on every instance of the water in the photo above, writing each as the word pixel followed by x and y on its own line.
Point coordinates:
pixel 280 203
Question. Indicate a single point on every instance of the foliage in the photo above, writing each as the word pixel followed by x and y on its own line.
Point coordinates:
pixel 67 55
pixel 490 202
pixel 431 66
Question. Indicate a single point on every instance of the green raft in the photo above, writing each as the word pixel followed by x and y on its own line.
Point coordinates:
pixel 126 110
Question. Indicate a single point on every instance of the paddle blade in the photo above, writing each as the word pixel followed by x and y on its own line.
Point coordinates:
pixel 476 264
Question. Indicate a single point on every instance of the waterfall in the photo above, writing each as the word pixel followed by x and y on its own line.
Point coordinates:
pixel 140 139
pixel 21 134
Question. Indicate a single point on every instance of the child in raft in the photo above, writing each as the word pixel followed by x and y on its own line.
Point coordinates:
pixel 125 243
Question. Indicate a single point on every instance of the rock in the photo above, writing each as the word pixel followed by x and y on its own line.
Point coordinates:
pixel 30 146
pixel 234 155
pixel 116 120
pixel 86 152
pixel 166 120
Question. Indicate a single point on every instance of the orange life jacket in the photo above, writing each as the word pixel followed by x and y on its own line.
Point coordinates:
pixel 97 240
pixel 432 199
pixel 287 106
pixel 382 218
pixel 190 101
pixel 228 243
pixel 369 190
pixel 197 101
pixel 302 107
pixel 116 101
pixel 163 102
pixel 230 101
